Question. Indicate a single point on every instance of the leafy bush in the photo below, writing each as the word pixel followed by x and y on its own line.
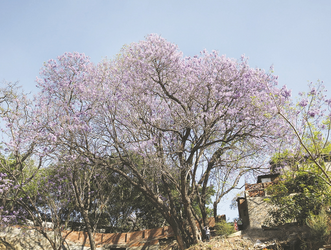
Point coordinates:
pixel 319 231
pixel 224 228
pixel 298 196
pixel 319 224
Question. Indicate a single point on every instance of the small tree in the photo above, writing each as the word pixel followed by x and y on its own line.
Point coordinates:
pixel 309 121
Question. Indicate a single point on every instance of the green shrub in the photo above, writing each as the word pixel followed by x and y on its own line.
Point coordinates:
pixel 224 228
pixel 298 196
pixel 319 230
pixel 319 224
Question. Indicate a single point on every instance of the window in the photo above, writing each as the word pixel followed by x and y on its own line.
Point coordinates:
pixel 263 180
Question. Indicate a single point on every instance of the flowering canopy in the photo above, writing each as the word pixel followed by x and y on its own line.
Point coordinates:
pixel 180 114
pixel 155 96
pixel 152 94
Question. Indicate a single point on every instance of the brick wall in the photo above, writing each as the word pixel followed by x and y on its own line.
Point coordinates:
pixel 258 189
pixel 121 238
pixel 127 239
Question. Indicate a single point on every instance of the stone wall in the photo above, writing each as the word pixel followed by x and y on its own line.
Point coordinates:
pixel 150 239
pixel 252 208
pixel 16 238
pixel 29 239
pixel 258 211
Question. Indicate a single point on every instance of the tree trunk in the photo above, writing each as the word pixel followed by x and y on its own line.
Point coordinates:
pixel 204 214
pixel 88 228
pixel 215 211
pixel 178 234
pixel 191 220
pixel 47 237
pixel 204 189
pixel 202 207
pixel 85 215
pixel 187 209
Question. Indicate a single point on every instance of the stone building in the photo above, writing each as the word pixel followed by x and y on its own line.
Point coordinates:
pixel 253 210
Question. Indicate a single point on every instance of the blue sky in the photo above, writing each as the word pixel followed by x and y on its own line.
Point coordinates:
pixel 294 36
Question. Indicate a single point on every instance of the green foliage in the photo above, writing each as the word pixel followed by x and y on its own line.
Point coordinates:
pixel 210 191
pixel 319 224
pixel 296 197
pixel 319 231
pixel 224 228
pixel 300 160
pixel 127 209
pixel 25 174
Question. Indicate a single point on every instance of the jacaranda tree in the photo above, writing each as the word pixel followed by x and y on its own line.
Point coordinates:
pixel 181 116
pixel 16 151
pixel 22 158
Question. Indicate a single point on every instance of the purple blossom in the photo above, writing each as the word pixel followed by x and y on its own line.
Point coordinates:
pixel 312 113
pixel 286 92
pixel 313 91
pixel 303 103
